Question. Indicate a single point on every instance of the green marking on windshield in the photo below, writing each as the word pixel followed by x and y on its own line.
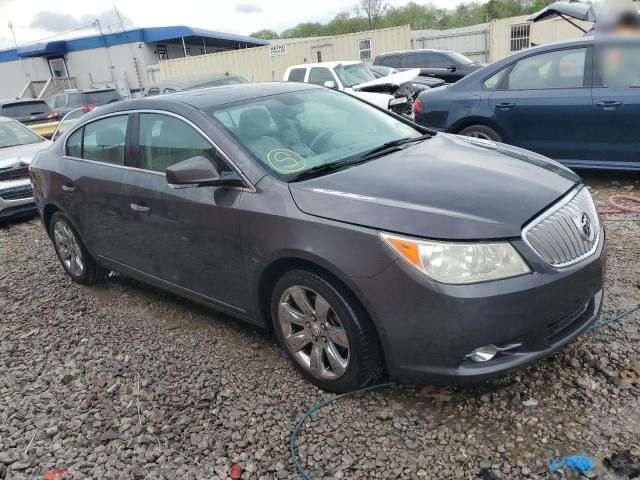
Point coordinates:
pixel 286 161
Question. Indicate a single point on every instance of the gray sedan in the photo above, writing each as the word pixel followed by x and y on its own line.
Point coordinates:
pixel 365 242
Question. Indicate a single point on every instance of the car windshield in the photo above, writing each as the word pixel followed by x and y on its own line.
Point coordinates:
pixel 460 58
pixel 292 133
pixel 13 134
pixel 354 74
pixel 101 98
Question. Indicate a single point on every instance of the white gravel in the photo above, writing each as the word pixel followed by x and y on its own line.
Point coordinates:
pixel 122 381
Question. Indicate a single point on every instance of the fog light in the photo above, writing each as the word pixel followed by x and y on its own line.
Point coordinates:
pixel 489 352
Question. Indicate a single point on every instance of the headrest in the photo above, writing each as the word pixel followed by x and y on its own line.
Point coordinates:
pixel 255 122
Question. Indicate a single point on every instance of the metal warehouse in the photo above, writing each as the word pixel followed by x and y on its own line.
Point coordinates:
pixel 122 60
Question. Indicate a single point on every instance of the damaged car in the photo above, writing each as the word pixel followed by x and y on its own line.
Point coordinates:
pixel 18 146
pixel 357 79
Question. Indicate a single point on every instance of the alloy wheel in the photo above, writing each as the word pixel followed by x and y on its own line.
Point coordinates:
pixel 68 248
pixel 313 333
pixel 480 135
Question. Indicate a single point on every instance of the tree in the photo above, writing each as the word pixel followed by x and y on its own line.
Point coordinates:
pixel 265 34
pixel 373 10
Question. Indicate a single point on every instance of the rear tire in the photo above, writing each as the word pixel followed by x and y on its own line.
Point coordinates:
pixel 72 253
pixel 325 333
pixel 482 132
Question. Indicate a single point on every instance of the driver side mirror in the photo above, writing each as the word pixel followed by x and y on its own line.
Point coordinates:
pixel 200 172
pixel 330 84
pixel 452 68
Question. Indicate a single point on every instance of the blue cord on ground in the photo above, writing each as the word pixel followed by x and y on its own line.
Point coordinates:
pixel 577 462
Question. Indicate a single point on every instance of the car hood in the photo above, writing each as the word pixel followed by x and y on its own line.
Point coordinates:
pixel 391 80
pixel 12 156
pixel 447 187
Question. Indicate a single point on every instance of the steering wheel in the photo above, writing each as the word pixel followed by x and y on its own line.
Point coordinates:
pixel 320 139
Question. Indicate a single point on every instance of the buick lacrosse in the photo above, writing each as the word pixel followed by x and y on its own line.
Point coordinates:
pixel 365 242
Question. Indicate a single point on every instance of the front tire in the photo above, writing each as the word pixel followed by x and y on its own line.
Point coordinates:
pixel 325 333
pixel 482 132
pixel 72 253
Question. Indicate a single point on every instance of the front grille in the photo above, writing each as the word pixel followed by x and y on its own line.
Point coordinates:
pixel 14 173
pixel 566 233
pixel 17 193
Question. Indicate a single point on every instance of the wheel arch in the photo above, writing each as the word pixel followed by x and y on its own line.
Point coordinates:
pixel 47 213
pixel 466 122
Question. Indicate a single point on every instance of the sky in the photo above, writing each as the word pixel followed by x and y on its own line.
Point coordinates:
pixel 34 20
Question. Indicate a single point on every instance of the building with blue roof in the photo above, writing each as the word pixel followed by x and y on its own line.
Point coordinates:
pixel 126 60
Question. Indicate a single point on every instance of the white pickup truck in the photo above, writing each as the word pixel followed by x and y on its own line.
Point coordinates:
pixel 356 79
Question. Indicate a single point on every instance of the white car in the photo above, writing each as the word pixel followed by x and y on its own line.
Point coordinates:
pixel 356 79
pixel 18 146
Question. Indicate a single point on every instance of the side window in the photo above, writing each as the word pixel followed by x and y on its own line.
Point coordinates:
pixel 437 60
pixel 414 60
pixel 496 80
pixel 153 91
pixel 166 140
pixel 319 75
pixel 619 66
pixel 104 140
pixel 560 69
pixel 74 144
pixel 59 101
pixel 297 75
pixel 391 61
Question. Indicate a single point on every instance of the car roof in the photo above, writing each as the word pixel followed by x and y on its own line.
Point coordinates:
pixel 209 97
pixel 21 100
pixel 325 64
pixel 189 82
pixel 417 50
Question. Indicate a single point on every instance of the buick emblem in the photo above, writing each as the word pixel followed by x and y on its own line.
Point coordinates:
pixel 583 223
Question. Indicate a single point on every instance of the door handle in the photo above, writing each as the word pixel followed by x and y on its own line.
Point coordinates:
pixel 505 106
pixel 68 188
pixel 609 104
pixel 136 207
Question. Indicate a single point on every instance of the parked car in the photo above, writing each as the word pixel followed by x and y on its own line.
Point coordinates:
pixel 70 119
pixel 68 100
pixel 414 86
pixel 448 65
pixel 27 111
pixel 356 79
pixel 577 102
pixel 340 226
pixel 181 85
pixel 18 146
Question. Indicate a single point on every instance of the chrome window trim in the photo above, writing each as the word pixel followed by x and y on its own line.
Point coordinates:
pixel 549 212
pixel 249 187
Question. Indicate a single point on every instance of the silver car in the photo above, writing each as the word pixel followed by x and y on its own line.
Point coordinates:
pixel 18 146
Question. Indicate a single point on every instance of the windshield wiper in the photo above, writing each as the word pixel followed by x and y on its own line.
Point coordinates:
pixel 391 146
pixel 320 170
pixel 383 149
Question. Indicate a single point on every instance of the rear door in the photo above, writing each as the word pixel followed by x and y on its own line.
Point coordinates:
pixel 543 103
pixel 616 98
pixel 186 238
pixel 90 193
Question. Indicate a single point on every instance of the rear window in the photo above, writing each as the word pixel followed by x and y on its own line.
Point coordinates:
pixel 101 98
pixel 297 75
pixel 24 109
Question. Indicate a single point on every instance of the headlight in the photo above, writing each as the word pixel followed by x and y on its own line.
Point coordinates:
pixel 459 262
pixel 398 101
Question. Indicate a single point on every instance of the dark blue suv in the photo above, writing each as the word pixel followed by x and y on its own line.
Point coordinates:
pixel 577 102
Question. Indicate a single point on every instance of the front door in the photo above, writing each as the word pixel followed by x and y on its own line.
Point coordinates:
pixel 544 104
pixel 616 100
pixel 186 238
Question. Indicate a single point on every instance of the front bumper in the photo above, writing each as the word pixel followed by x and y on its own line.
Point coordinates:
pixel 427 328
pixel 16 199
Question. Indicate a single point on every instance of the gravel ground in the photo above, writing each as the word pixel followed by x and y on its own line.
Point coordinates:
pixel 123 381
